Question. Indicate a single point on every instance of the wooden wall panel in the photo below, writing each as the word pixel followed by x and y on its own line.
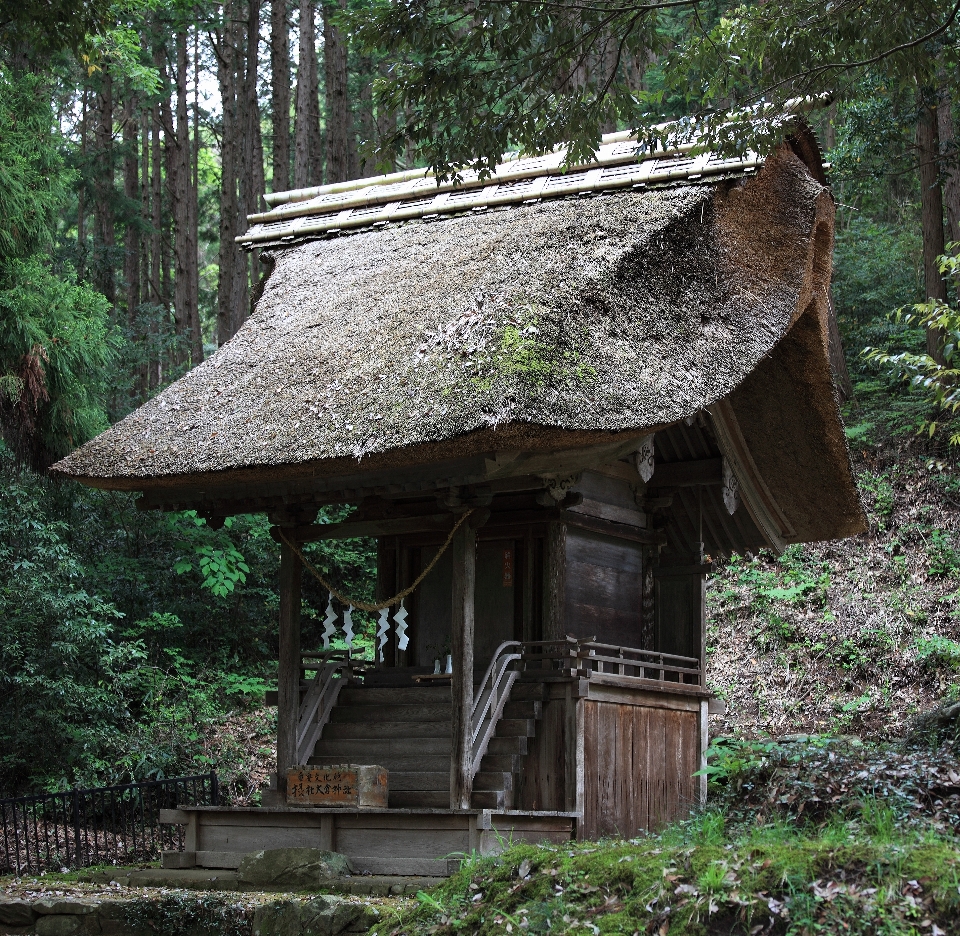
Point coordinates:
pixel 603 588
pixel 495 602
pixel 544 768
pixel 638 767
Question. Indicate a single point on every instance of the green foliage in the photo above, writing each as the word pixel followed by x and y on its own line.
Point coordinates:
pixel 935 652
pixel 936 384
pixel 878 493
pixel 48 26
pixel 221 568
pixel 875 269
pixel 473 83
pixel 124 668
pixel 944 558
pixel 56 344
pixel 33 180
pixel 858 654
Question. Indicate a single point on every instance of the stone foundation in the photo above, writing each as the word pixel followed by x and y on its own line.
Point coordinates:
pixel 181 913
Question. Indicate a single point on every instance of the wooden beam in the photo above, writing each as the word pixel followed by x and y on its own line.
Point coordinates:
pixel 288 685
pixel 687 473
pixel 350 529
pixel 464 554
pixel 441 523
pixel 672 571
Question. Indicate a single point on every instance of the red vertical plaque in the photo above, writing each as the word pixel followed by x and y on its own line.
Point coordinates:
pixel 508 568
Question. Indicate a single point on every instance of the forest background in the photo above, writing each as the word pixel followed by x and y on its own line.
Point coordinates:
pixel 135 138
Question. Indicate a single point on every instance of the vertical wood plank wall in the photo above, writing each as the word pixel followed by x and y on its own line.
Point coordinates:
pixel 638 766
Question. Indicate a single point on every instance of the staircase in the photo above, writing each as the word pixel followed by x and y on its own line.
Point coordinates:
pixel 407 731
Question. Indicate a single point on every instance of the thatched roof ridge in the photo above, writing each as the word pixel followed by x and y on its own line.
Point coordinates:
pixel 618 164
pixel 588 316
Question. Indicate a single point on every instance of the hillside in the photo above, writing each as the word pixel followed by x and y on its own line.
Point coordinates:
pixel 851 637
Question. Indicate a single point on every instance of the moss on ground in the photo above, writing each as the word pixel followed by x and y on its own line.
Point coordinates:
pixel 698 878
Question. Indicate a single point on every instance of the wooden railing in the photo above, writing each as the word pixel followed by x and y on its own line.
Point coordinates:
pixel 588 658
pixel 320 697
pixel 490 698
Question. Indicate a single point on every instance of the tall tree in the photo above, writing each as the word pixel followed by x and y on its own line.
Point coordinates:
pixel 180 172
pixel 252 184
pixel 307 122
pixel 103 206
pixel 280 93
pixel 931 216
pixel 131 192
pixel 339 118
pixel 229 44
pixel 950 166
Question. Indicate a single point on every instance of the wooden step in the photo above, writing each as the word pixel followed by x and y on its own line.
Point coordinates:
pixel 514 745
pixel 490 799
pixel 350 749
pixel 492 780
pixel 395 764
pixel 421 799
pixel 525 708
pixel 417 712
pixel 523 690
pixel 516 727
pixel 419 780
pixel 509 763
pixel 381 729
pixel 360 695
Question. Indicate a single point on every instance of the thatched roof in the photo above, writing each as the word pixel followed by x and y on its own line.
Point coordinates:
pixel 539 325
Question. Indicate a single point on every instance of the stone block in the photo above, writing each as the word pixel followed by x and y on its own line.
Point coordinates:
pixel 291 867
pixel 58 924
pixel 325 915
pixel 16 912
pixel 64 905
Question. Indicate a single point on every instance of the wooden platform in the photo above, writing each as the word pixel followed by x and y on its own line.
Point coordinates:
pixel 429 842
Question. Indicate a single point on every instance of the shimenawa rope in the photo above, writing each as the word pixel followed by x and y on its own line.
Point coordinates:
pixel 363 605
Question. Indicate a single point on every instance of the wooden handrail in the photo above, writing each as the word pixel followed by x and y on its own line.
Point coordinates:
pixel 586 657
pixel 318 702
pixel 490 699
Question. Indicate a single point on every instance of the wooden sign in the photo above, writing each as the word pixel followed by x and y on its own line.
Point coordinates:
pixel 341 785
pixel 508 568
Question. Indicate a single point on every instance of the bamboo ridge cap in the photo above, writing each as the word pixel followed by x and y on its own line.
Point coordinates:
pixel 396 599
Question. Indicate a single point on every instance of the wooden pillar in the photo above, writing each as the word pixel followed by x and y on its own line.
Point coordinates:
pixel 288 686
pixel 555 581
pixel 464 554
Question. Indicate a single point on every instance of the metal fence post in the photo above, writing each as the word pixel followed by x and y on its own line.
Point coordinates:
pixel 76 828
pixel 214 789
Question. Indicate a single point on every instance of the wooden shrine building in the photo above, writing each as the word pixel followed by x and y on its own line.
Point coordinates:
pixel 588 384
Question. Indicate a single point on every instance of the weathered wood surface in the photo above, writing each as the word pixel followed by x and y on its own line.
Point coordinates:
pixel 707 471
pixel 342 785
pixel 464 554
pixel 554 578
pixel 638 767
pixel 288 676
pixel 394 842
pixel 543 776
pixel 603 595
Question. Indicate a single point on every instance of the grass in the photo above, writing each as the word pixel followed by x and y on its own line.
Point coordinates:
pixel 808 836
pixel 862 876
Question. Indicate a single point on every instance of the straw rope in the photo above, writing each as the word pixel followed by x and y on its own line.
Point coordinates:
pixel 363 605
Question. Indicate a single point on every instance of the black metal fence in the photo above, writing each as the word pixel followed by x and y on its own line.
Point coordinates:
pixel 109 825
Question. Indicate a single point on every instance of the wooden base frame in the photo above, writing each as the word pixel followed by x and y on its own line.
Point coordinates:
pixel 426 842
